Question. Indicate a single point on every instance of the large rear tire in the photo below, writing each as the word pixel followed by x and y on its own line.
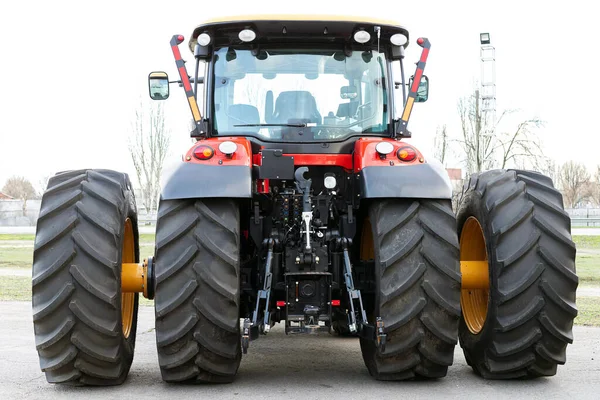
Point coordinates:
pixel 198 290
pixel 84 326
pixel 417 288
pixel 525 328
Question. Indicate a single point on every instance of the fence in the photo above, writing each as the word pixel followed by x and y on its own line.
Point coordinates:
pixel 584 216
pixel 11 214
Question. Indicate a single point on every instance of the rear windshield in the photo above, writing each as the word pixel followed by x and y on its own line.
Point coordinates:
pixel 299 95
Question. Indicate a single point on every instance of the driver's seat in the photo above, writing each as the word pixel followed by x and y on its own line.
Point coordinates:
pixel 295 106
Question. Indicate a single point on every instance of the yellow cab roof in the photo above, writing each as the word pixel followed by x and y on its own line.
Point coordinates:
pixel 268 20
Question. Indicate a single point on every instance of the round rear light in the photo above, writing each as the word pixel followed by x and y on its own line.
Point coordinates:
pixel 398 39
pixel 203 39
pixel 407 154
pixel 362 36
pixel 203 152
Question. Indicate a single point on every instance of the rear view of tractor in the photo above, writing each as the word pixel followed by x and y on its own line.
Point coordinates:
pixel 302 203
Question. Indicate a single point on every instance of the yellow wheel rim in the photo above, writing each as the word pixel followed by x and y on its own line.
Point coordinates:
pixel 128 299
pixel 474 302
pixel 367 251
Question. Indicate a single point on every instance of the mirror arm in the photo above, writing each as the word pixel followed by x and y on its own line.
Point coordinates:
pixel 199 123
pixel 402 75
pixel 196 53
pixel 401 125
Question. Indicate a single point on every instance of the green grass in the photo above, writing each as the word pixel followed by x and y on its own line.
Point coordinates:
pixel 589 311
pixel 587 242
pixel 588 268
pixel 10 236
pixel 17 288
pixel 16 257
pixel 22 257
pixel 144 237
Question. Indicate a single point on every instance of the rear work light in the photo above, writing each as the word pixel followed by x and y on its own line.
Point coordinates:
pixel 383 149
pixel 203 152
pixel 407 154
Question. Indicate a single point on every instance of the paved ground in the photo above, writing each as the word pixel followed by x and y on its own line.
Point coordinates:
pixel 278 366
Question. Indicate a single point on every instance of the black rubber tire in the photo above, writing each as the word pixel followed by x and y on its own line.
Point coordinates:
pixel 531 305
pixel 198 290
pixel 77 278
pixel 417 288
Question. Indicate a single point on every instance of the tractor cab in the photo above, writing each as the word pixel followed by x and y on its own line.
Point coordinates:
pixel 302 119
pixel 296 80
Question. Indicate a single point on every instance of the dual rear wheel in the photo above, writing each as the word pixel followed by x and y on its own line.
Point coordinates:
pixel 513 313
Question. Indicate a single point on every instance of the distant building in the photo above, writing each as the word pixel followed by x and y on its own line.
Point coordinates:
pixel 5 196
pixel 455 174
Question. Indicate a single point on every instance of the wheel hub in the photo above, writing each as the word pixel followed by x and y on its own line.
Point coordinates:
pixel 474 268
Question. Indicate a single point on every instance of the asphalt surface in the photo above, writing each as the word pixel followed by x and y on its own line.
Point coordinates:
pixel 280 366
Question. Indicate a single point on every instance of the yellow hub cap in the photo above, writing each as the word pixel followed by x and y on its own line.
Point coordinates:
pixel 476 279
pixel 128 299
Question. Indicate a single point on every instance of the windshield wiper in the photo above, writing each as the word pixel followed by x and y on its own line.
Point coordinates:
pixel 291 125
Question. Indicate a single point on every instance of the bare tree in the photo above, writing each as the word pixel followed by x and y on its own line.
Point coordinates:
pixel 548 167
pixel 148 146
pixel 42 184
pixel 20 188
pixel 573 180
pixel 594 188
pixel 440 144
pixel 521 146
pixel 477 138
pixel 486 146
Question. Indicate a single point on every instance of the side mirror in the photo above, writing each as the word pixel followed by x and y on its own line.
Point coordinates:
pixel 158 85
pixel 422 90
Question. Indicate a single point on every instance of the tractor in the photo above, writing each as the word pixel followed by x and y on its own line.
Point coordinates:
pixel 302 202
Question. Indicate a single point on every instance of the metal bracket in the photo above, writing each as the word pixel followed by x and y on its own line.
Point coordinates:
pixel 353 294
pixel 265 293
pixel 381 336
pixel 246 335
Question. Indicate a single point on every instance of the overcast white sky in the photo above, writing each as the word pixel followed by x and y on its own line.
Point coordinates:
pixel 73 72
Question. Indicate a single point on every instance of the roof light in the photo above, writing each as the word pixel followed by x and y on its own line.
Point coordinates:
pixel 247 35
pixel 203 152
pixel 407 154
pixel 228 148
pixel 280 303
pixel 383 149
pixel 362 36
pixel 398 39
pixel 203 39
pixel 335 303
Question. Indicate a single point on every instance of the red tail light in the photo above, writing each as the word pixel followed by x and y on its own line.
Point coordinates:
pixel 335 303
pixel 407 154
pixel 203 152
pixel 280 303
